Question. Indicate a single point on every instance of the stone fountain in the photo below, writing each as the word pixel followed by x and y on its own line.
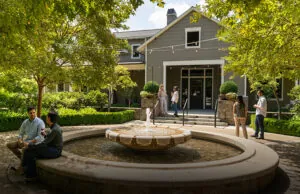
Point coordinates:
pixel 248 171
pixel 148 137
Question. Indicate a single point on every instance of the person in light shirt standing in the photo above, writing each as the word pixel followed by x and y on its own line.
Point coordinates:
pixel 175 97
pixel 261 113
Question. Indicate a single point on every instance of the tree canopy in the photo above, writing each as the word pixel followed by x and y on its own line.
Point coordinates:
pixel 264 37
pixel 55 41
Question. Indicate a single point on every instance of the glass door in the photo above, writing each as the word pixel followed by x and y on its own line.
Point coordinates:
pixel 196 93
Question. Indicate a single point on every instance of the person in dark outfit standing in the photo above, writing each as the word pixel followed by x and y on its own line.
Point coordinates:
pixel 240 116
pixel 51 147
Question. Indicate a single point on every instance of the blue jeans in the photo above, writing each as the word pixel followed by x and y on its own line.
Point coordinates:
pixel 259 125
pixel 175 108
pixel 33 153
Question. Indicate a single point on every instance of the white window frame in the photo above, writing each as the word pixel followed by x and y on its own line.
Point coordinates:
pixel 192 30
pixel 132 57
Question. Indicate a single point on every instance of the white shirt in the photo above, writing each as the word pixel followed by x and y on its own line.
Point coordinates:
pixel 262 103
pixel 175 97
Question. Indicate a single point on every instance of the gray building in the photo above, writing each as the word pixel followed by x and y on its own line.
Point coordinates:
pixel 187 55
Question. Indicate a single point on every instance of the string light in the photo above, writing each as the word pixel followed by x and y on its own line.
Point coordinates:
pixel 158 49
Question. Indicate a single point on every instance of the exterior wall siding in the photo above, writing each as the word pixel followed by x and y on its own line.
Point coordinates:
pixel 176 36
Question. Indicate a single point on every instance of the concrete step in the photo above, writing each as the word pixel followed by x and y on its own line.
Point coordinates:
pixel 180 118
pixel 209 123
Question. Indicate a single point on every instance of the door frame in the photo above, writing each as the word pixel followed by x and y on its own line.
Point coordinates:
pixel 204 77
pixel 214 62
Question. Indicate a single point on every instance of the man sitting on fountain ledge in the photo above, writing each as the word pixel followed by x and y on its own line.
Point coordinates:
pixel 51 147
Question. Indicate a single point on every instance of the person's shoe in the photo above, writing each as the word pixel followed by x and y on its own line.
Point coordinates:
pixel 254 135
pixel 260 137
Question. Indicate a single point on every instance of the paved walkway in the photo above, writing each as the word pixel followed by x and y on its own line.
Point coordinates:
pixel 287 179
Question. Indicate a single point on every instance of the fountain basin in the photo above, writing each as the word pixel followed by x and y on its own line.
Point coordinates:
pixel 248 172
pixel 154 138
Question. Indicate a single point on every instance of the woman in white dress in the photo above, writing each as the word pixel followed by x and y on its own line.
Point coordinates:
pixel 162 96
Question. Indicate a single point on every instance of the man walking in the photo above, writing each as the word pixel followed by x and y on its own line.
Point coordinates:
pixel 261 113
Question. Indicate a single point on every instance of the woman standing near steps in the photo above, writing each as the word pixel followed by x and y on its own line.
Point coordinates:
pixel 162 96
pixel 240 115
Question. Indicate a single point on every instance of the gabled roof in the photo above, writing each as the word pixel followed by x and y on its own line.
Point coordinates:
pixel 138 34
pixel 142 47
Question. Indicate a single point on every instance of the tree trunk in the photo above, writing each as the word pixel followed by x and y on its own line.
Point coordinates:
pixel 40 97
pixel 109 99
pixel 278 105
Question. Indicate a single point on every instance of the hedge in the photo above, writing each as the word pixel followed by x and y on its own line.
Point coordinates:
pixel 12 121
pixel 285 127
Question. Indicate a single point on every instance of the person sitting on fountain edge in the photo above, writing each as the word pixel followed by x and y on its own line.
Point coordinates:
pixel 51 147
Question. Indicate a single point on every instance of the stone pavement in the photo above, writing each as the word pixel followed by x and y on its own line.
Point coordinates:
pixel 287 179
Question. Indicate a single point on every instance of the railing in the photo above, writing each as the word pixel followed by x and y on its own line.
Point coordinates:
pixel 153 116
pixel 216 110
pixel 183 110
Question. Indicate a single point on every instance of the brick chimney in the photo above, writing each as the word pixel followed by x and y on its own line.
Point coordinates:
pixel 171 15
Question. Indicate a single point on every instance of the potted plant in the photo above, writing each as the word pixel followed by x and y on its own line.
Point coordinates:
pixel 228 87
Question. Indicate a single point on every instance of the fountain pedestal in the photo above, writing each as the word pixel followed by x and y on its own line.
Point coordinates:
pixel 154 138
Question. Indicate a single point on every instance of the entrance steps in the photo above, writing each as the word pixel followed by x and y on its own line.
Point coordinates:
pixel 194 119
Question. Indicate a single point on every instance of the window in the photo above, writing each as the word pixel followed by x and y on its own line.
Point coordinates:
pixel 135 54
pixel 192 37
pixel 60 87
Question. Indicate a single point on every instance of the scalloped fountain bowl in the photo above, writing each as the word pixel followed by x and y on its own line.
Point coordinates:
pixel 148 138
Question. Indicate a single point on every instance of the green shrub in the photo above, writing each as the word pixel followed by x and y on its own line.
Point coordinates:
pixel 231 96
pixel 74 100
pixel 151 87
pixel 95 98
pixel 145 94
pixel 228 86
pixel 16 101
pixel 295 96
pixel 285 127
pixel 69 117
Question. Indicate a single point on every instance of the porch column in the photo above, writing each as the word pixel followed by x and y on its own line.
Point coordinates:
pixel 146 65
pixel 222 73
pixel 165 75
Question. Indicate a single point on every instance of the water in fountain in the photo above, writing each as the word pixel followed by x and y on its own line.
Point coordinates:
pixel 148 114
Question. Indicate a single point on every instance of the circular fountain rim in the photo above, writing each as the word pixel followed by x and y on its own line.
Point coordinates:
pixel 233 172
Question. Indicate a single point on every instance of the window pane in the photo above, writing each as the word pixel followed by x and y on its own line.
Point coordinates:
pixel 193 38
pixel 60 87
pixel 185 72
pixel 208 72
pixel 135 53
pixel 197 72
pixel 67 87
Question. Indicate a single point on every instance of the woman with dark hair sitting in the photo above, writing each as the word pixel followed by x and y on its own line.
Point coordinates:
pixel 51 147
pixel 240 115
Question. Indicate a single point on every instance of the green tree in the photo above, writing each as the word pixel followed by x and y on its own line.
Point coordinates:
pixel 119 79
pixel 55 41
pixel 264 38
